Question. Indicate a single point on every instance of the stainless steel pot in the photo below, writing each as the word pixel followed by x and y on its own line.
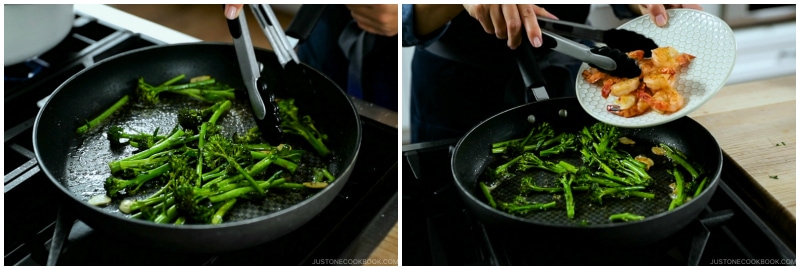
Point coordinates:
pixel 31 30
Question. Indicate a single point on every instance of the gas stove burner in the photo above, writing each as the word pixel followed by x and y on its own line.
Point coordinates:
pixel 25 71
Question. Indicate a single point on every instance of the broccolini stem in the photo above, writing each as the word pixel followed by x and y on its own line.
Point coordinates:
pixel 641 194
pixel 216 172
pixel 244 190
pixel 569 167
pixel 258 147
pixel 180 221
pixel 528 185
pixel 108 112
pixel 326 174
pixel 290 186
pixel 255 169
pixel 207 95
pixel 168 216
pixel 527 148
pixel 637 167
pixel 679 194
pixel 700 187
pixel 504 167
pixel 625 217
pixel 173 80
pixel 488 194
pixel 246 175
pixel 291 166
pixel 166 199
pixel 678 157
pixel 512 209
pixel 217 219
pixel 600 181
pixel 163 87
pixel 225 106
pixel 566 181
pixel 318 145
pixel 621 180
pixel 136 182
pixel 200 144
pixel 139 164
pixel 167 143
pixel 216 180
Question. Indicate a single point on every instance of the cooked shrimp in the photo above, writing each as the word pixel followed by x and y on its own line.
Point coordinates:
pixel 593 75
pixel 657 81
pixel 626 101
pixel 664 56
pixel 669 60
pixel 652 89
pixel 624 87
pixel 685 59
pixel 664 101
pixel 638 107
pixel 636 55
pixel 607 84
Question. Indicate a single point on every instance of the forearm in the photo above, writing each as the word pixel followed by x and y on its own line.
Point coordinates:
pixel 429 18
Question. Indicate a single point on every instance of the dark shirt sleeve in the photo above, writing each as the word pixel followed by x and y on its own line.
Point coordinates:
pixel 410 37
pixel 623 11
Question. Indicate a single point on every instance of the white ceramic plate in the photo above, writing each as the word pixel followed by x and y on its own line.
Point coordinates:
pixel 689 31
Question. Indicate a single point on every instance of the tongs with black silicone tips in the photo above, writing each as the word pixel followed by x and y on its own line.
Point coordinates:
pixel 267 114
pixel 608 60
pixel 619 39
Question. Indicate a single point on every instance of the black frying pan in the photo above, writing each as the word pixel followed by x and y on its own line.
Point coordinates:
pixel 93 90
pixel 472 155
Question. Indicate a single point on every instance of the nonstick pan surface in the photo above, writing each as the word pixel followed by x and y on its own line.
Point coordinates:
pixel 472 156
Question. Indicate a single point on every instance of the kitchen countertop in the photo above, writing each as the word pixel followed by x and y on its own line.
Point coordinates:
pixel 755 125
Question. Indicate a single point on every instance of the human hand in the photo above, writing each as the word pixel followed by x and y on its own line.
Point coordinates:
pixel 506 21
pixel 376 19
pixel 232 10
pixel 658 13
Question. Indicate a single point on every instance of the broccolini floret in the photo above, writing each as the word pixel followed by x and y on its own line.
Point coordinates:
pixel 293 123
pixel 202 88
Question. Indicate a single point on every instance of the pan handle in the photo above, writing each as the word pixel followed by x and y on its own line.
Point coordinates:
pixel 530 70
pixel 304 21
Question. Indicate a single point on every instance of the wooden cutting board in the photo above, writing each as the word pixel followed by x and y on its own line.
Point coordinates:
pixel 755 124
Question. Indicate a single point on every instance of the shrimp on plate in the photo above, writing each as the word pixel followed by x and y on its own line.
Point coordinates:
pixel 653 89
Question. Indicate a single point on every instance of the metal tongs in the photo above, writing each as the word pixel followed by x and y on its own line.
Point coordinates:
pixel 609 60
pixel 260 88
pixel 279 41
pixel 620 39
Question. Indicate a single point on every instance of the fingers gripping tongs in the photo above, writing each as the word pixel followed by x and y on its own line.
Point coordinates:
pixel 258 87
